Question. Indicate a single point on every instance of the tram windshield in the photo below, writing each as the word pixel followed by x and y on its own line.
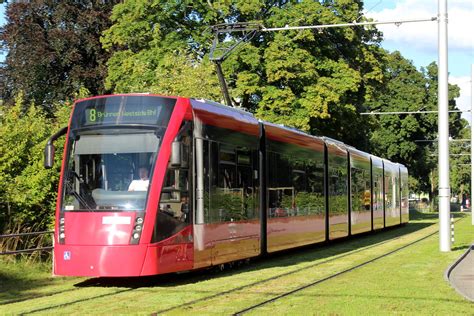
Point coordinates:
pixel 113 145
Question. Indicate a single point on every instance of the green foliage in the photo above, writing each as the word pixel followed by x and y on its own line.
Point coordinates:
pixel 229 206
pixel 338 204
pixel 307 203
pixel 460 162
pixel 28 192
pixel 299 78
pixel 53 49
pixel 317 81
pixel 395 136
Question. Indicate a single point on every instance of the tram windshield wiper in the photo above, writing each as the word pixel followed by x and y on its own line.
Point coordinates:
pixel 70 189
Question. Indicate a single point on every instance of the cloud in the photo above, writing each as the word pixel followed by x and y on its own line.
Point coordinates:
pixel 464 100
pixel 424 36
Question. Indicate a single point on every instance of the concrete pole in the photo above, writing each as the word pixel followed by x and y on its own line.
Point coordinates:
pixel 472 143
pixel 443 129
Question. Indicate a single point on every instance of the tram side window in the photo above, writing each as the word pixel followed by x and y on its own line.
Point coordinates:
pixel 397 193
pixel 230 193
pixel 377 191
pixel 360 187
pixel 388 191
pixel 281 191
pixel 296 186
pixel 309 200
pixel 337 186
pixel 174 209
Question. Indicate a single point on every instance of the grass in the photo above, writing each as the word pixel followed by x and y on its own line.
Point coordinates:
pixel 407 282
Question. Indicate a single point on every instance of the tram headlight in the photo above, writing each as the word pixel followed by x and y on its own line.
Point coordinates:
pixel 137 230
pixel 62 235
pixel 61 228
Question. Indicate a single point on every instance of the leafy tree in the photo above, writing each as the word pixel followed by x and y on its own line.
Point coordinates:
pixel 319 81
pixel 395 136
pixel 156 43
pixel 53 49
pixel 313 81
pixel 28 192
pixel 460 162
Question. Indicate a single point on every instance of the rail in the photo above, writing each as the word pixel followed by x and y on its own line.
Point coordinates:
pixel 30 250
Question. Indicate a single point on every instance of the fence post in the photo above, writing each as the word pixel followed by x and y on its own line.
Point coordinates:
pixel 52 256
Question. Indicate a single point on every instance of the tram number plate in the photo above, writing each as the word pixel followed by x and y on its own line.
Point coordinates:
pixel 116 220
pixel 67 255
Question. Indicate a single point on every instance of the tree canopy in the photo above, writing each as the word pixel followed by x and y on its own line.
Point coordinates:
pixel 53 49
pixel 314 81
pixel 317 81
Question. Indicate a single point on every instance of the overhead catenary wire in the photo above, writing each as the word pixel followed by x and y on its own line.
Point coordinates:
pixel 325 26
pixel 249 29
pixel 411 112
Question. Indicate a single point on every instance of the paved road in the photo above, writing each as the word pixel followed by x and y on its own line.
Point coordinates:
pixel 462 276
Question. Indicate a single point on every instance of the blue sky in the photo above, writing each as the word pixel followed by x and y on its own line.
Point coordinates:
pixel 418 41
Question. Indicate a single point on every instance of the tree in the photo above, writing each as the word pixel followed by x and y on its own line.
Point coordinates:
pixel 53 49
pixel 313 81
pixel 28 192
pixel 395 136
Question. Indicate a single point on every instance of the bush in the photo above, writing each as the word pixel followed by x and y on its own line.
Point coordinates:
pixel 29 191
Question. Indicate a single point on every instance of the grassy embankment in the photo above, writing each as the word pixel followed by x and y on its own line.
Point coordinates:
pixel 408 282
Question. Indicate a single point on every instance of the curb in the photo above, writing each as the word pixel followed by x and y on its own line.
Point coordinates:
pixel 448 271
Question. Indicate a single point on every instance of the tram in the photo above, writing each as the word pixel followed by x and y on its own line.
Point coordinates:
pixel 152 184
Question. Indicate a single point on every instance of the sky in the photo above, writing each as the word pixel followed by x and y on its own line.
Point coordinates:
pixel 418 41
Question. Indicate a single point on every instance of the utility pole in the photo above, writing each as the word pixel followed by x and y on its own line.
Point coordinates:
pixel 472 143
pixel 444 191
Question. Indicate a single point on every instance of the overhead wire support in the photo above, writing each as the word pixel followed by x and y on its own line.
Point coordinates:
pixel 250 29
pixel 436 140
pixel 325 26
pixel 218 55
pixel 411 112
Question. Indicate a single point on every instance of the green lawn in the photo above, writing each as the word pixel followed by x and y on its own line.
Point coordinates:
pixel 407 282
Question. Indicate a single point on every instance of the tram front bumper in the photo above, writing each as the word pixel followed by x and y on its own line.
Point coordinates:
pixel 99 261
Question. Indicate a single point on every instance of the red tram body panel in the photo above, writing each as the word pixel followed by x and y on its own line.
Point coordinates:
pixel 152 184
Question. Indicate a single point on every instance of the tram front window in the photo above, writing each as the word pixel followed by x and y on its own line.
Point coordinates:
pixel 109 170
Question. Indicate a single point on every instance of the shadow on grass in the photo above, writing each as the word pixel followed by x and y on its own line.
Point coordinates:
pixel 14 285
pixel 460 248
pixel 281 259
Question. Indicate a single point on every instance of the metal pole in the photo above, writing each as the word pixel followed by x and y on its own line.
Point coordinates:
pixel 472 142
pixel 222 83
pixel 443 129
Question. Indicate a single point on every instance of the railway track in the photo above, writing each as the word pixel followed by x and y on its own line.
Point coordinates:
pixel 332 276
pixel 242 287
pixel 74 302
pixel 32 297
pixel 191 279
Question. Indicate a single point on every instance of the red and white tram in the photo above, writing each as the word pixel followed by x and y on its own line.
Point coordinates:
pixel 152 184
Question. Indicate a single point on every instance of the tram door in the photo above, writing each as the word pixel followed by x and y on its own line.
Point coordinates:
pixel 227 226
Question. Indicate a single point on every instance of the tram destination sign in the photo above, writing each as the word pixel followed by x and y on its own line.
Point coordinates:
pixel 94 115
pixel 146 110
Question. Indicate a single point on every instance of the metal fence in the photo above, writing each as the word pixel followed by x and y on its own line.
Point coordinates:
pixel 30 250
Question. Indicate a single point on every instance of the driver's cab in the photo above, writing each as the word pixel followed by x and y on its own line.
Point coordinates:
pixel 104 171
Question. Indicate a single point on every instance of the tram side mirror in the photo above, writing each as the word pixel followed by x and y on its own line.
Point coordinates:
pixel 49 156
pixel 49 149
pixel 176 154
